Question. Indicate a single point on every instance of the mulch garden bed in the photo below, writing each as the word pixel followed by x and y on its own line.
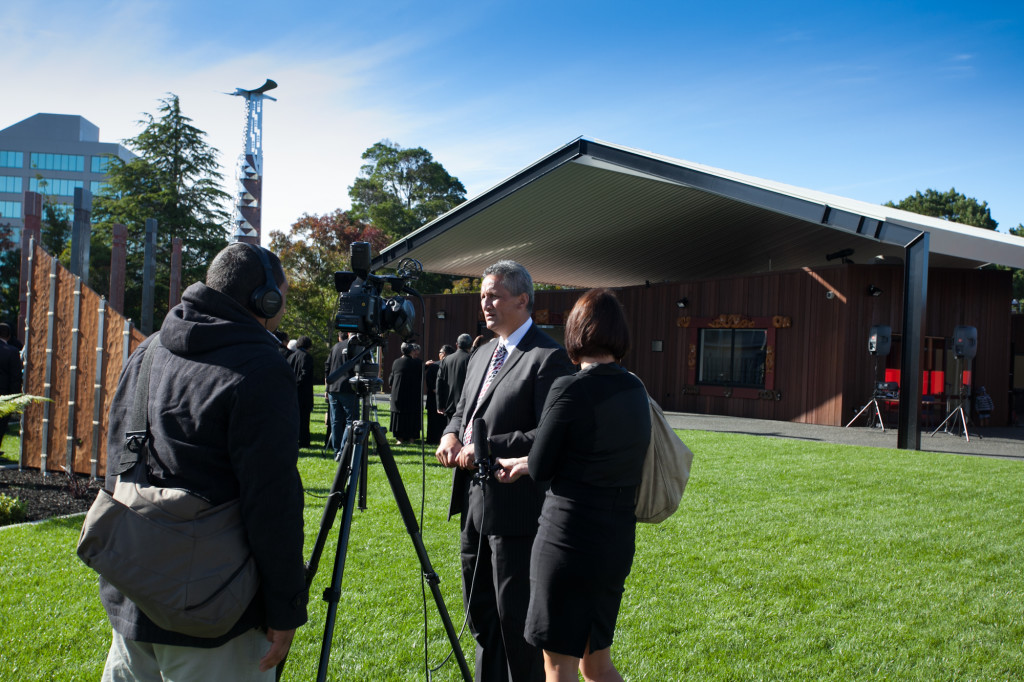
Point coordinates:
pixel 44 496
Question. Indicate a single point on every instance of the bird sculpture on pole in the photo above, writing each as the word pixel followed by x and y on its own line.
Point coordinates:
pixel 250 165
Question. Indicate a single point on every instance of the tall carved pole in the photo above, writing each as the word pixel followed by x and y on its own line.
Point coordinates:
pixel 250 166
pixel 33 203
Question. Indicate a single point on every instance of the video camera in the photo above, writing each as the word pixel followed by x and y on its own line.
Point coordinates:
pixel 362 309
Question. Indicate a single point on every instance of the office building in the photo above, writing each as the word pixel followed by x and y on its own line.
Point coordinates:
pixel 52 154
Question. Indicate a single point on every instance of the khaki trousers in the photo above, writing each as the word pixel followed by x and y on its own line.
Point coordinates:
pixel 236 661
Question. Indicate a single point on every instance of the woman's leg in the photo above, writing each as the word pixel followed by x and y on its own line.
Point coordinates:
pixel 560 667
pixel 597 666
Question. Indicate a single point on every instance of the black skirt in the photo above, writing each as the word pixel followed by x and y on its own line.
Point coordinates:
pixel 582 555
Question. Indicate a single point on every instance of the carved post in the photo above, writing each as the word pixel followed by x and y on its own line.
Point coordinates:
pixel 33 203
pixel 118 265
pixel 81 232
pixel 149 277
pixel 175 288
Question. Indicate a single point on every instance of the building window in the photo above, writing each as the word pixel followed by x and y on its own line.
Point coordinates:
pixel 61 162
pixel 732 357
pixel 54 186
pixel 10 209
pixel 10 184
pixel 11 159
pixel 98 188
pixel 100 164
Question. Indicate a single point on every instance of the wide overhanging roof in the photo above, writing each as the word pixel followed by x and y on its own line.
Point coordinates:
pixel 596 214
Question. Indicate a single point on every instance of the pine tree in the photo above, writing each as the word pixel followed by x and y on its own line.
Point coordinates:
pixel 176 180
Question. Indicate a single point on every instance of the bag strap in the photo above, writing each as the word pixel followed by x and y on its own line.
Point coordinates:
pixel 137 436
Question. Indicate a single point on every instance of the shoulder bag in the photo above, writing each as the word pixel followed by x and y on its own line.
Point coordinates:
pixel 665 473
pixel 184 562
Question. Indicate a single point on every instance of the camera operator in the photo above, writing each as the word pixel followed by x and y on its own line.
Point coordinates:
pixel 224 425
pixel 506 385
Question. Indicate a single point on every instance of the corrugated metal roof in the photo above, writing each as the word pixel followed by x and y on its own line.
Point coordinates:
pixel 595 214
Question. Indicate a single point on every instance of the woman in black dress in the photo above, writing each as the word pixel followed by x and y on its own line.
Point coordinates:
pixel 590 445
pixel 406 382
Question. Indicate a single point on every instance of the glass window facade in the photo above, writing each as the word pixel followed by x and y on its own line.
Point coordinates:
pixel 11 159
pixel 54 186
pixel 732 357
pixel 61 162
pixel 100 164
pixel 10 184
pixel 98 187
pixel 10 209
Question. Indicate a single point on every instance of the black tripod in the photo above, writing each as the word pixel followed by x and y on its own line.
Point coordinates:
pixel 876 393
pixel 958 411
pixel 352 460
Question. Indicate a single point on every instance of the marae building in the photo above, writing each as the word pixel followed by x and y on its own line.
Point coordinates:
pixel 52 154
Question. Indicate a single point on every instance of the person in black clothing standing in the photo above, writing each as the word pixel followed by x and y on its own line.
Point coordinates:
pixel 585 544
pixel 451 375
pixel 435 415
pixel 405 382
pixel 301 362
pixel 10 371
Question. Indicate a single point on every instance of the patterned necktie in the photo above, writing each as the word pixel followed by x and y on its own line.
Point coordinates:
pixel 498 359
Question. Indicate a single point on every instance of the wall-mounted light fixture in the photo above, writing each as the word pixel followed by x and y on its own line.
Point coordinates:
pixel 440 314
pixel 874 291
pixel 682 303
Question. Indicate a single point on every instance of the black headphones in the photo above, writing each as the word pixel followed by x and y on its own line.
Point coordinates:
pixel 266 301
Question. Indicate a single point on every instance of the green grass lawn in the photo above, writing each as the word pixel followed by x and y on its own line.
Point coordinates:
pixel 788 560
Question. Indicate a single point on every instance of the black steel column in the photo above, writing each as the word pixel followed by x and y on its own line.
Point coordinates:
pixel 915 300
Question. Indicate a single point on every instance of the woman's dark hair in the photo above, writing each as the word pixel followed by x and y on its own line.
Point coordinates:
pixel 596 326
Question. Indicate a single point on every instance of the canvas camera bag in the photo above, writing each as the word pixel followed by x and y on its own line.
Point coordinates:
pixel 665 473
pixel 185 563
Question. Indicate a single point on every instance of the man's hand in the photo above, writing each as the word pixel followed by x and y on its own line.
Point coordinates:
pixel 280 642
pixel 448 451
pixel 467 457
pixel 511 469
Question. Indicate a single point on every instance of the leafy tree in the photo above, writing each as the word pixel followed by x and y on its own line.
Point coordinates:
pixel 313 250
pixel 176 180
pixel 1018 274
pixel 949 205
pixel 398 190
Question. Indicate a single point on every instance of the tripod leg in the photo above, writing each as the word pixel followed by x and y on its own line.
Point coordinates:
pixel 856 416
pixel 878 413
pixel 332 595
pixel 944 422
pixel 409 518
pixel 963 420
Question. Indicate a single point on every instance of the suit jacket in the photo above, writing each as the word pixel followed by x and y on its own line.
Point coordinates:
pixel 302 364
pixel 511 409
pixel 450 378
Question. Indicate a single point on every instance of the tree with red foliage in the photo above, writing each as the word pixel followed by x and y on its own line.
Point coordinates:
pixel 315 247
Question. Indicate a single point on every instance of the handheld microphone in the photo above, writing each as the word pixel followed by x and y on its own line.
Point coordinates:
pixel 481 451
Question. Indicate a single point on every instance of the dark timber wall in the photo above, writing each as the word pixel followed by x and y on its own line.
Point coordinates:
pixel 822 370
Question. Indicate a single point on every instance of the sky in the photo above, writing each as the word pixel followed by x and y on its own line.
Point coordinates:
pixel 867 100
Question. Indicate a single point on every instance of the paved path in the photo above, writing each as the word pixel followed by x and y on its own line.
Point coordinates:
pixel 1007 442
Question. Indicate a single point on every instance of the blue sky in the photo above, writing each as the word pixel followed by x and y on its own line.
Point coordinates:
pixel 869 100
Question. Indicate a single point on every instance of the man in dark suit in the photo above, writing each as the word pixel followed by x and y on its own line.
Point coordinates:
pixel 451 376
pixel 301 362
pixel 506 385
